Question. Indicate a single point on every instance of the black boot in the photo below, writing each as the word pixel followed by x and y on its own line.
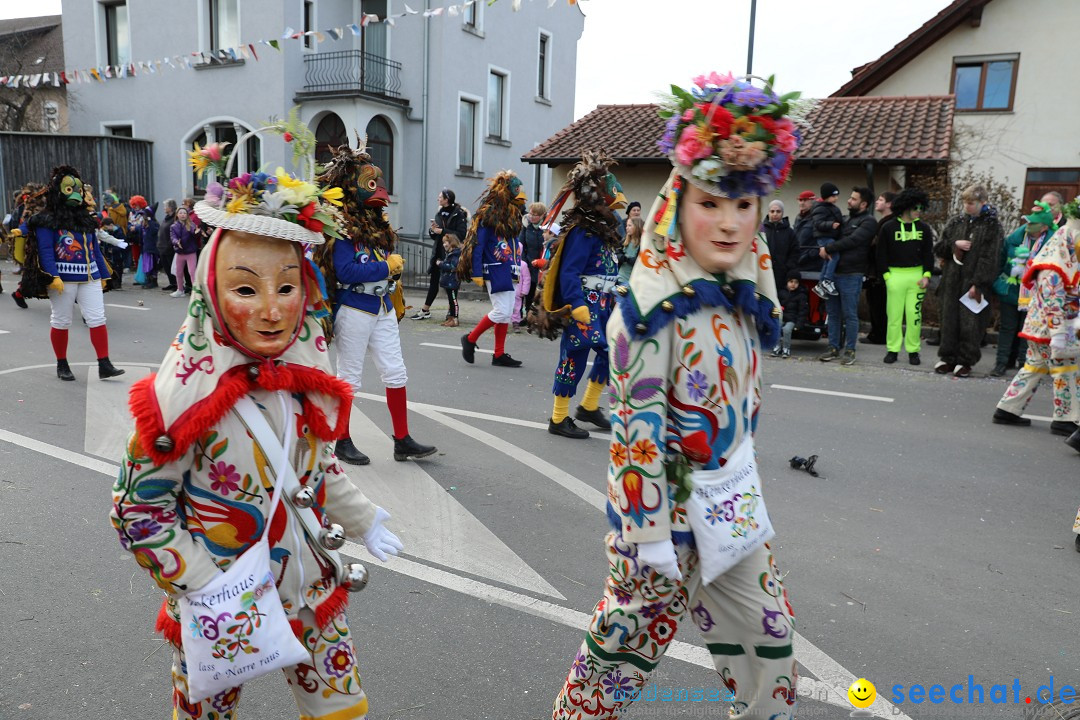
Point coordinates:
pixel 106 370
pixel 406 448
pixel 1073 441
pixel 596 417
pixel 63 370
pixel 19 299
pixel 1004 417
pixel 567 428
pixel 1063 427
pixel 468 349
pixel 347 452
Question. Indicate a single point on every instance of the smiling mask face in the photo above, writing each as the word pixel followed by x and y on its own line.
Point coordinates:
pixel 259 291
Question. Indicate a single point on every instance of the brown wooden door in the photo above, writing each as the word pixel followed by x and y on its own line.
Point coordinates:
pixel 1040 182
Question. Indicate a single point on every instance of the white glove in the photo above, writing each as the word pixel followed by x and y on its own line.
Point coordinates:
pixel 1017 270
pixel 1059 341
pixel 379 541
pixel 661 557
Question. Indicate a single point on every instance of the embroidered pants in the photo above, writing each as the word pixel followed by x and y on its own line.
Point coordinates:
pixel 904 296
pixel 576 342
pixel 744 616
pixel 326 689
pixel 1039 365
pixel 356 332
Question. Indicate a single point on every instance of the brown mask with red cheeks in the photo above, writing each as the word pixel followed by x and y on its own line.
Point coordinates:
pixel 259 291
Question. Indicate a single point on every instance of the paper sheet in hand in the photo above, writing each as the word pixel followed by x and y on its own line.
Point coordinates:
pixel 975 307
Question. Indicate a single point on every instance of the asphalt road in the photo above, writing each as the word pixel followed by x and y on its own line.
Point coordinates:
pixel 933 546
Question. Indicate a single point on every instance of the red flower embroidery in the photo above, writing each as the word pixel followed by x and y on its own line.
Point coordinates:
pixel 695 447
pixel 662 629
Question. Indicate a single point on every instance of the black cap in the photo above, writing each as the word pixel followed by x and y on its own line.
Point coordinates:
pixel 794 275
pixel 828 190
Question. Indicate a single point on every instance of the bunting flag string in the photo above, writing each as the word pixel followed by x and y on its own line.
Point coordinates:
pixel 241 52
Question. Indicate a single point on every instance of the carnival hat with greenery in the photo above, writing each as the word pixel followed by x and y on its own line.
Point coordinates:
pixel 1072 209
pixel 730 137
pixel 274 205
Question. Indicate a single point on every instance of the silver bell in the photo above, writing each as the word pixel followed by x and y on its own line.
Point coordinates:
pixel 304 497
pixel 380 291
pixel 354 577
pixel 333 537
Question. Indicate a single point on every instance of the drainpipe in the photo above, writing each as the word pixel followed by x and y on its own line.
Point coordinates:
pixel 421 207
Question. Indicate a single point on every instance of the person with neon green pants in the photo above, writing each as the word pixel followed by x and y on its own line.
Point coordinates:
pixel 904 259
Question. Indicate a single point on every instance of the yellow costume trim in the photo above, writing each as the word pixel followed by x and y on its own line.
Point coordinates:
pixel 549 283
pixel 358 710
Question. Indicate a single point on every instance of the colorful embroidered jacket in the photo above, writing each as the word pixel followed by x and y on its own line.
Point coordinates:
pixel 357 264
pixel 1054 282
pixel 710 382
pixel 583 255
pixel 71 256
pixel 495 259
pixel 187 520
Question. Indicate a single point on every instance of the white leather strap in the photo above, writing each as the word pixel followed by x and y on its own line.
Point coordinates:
pixel 253 419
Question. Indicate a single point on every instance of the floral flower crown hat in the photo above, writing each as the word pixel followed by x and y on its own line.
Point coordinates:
pixel 731 139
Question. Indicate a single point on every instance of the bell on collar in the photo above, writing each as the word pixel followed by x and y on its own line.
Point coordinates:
pixel 354 577
pixel 333 537
pixel 304 497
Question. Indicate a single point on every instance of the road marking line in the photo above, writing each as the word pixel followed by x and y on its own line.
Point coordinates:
pixel 1040 418
pixel 418 406
pixel 126 307
pixel 5 332
pixel 52 365
pixel 90 463
pixel 455 347
pixel 856 396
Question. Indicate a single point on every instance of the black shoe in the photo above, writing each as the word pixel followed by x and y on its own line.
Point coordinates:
pixel 1076 543
pixel 468 349
pixel 406 448
pixel 1062 427
pixel 169 288
pixel 998 371
pixel 871 340
pixel 63 370
pixel 347 452
pixel 19 299
pixel 1073 441
pixel 505 360
pixel 106 370
pixel 1004 417
pixel 596 417
pixel 567 428
pixel 890 357
pixel 914 359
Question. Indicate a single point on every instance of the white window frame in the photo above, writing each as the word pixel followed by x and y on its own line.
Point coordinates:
pixel 108 125
pixel 206 126
pixel 478 139
pixel 478 26
pixel 505 75
pixel 548 57
pixel 309 44
pixel 101 26
pixel 204 25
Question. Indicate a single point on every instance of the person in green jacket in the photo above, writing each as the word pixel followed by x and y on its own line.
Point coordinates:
pixel 1022 244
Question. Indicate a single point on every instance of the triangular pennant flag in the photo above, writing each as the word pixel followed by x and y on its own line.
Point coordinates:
pixel 108 71
pixel 409 10
pixel 95 74
pixel 254 54
pixel 551 3
pixel 435 12
pixel 354 28
pixel 334 33
pixel 516 5
pixel 319 37
pixel 63 77
pixel 453 10
pixel 243 52
pixel 390 21
pixel 274 44
pixel 289 32
pixel 158 63
pixel 168 61
pixel 232 54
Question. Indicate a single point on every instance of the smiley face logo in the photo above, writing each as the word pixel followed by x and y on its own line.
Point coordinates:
pixel 862 693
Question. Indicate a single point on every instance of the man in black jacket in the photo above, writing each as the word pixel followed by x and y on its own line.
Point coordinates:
pixel 808 258
pixel 164 244
pixel 853 245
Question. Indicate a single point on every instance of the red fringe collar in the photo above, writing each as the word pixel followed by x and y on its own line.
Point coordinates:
pixel 234 384
pixel 1033 271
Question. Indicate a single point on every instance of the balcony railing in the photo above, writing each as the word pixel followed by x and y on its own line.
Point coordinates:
pixel 352 71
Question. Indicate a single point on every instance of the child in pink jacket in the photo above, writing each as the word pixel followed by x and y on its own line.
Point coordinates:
pixel 524 283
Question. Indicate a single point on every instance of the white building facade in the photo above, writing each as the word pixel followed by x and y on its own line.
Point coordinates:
pixel 445 101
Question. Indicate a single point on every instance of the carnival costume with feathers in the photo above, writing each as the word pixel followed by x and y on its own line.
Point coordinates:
pixel 31 201
pixel 364 273
pixel 196 485
pixel 492 256
pixel 578 294
pixel 64 255
pixel 685 373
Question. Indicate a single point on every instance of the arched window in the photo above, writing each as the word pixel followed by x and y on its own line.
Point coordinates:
pixel 329 135
pixel 248 160
pixel 380 138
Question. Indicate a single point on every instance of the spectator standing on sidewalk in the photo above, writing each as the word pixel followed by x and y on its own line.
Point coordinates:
pixel 450 218
pixel 783 245
pixel 826 220
pixel 448 278
pixel 853 248
pixel 969 248
pixel 874 286
pixel 164 244
pixel 808 258
pixel 532 242
pixel 905 257
pixel 1017 250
